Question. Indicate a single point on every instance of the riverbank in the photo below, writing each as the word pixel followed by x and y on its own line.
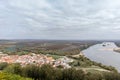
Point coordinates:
pixel 104 54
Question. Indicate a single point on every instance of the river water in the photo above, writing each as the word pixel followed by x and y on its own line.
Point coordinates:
pixel 103 53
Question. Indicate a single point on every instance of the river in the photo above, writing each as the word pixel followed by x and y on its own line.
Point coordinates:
pixel 103 53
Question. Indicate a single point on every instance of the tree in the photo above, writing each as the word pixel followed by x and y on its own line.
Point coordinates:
pixel 31 71
pixel 73 74
pixel 47 72
pixel 14 69
pixel 94 76
pixel 3 65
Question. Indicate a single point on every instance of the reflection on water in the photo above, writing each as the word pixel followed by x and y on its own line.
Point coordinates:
pixel 104 54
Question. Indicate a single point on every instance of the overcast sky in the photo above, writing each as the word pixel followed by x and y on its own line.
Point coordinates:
pixel 60 19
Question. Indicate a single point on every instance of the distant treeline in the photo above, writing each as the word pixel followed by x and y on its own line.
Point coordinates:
pixel 45 47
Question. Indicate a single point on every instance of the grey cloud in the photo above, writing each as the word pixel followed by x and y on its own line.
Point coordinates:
pixel 60 19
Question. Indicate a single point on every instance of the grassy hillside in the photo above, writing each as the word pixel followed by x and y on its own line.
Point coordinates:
pixel 6 76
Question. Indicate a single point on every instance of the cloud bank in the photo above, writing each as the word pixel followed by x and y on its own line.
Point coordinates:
pixel 59 19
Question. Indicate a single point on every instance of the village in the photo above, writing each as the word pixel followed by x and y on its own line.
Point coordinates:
pixel 37 59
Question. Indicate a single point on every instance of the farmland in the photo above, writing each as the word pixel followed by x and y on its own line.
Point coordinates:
pixel 54 47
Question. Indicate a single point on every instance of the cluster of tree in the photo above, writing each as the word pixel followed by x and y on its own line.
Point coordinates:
pixel 47 72
pixel 82 61
pixel 3 65
pixel 110 68
pixel 102 76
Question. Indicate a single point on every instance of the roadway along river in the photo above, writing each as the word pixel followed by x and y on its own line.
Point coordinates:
pixel 104 54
